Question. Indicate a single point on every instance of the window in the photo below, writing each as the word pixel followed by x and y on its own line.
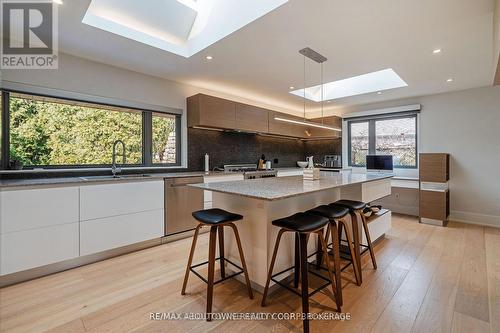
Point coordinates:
pixel 359 143
pixel 52 132
pixel 164 139
pixel 396 136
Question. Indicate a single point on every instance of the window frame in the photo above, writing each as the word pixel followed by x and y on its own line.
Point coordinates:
pixel 372 139
pixel 146 120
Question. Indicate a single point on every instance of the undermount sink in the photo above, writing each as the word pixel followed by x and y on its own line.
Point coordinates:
pixel 107 177
pixel 134 176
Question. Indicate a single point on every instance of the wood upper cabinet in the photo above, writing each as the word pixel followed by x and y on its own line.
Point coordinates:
pixel 214 112
pixel 209 111
pixel 252 118
pixel 283 128
pixel 434 167
pixel 333 121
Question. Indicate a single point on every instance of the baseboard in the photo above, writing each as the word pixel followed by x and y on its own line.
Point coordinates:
pixel 475 218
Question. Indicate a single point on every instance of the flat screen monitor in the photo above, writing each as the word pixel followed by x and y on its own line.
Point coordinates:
pixel 379 162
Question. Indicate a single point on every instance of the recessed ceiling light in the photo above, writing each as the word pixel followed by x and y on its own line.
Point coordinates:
pixel 449 80
pixel 292 87
pixel 59 2
pixel 209 57
pixel 436 51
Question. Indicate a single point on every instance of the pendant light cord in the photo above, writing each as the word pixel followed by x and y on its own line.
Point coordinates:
pixel 304 94
pixel 322 94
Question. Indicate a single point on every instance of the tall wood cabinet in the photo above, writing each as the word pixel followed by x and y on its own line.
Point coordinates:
pixel 434 174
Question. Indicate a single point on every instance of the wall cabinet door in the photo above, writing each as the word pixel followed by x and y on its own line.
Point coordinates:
pixel 209 111
pixel 116 231
pixel 252 118
pixel 326 133
pixel 283 128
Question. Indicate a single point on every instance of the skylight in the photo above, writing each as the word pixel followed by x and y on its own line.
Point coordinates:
pixel 183 27
pixel 356 85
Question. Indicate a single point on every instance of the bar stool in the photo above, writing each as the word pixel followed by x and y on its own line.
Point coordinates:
pixel 336 215
pixel 303 225
pixel 356 208
pixel 216 219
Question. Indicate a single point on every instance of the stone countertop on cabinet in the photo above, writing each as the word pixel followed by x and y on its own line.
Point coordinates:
pixel 83 180
pixel 285 187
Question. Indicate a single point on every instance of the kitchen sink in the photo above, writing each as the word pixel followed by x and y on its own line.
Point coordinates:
pixel 108 177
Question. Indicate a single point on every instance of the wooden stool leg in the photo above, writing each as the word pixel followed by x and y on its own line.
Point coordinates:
pixel 273 259
pixel 242 258
pixel 296 271
pixel 319 248
pixel 329 268
pixel 336 260
pixel 368 239
pixel 221 252
pixel 304 281
pixel 356 240
pixel 211 268
pixel 348 234
pixel 190 260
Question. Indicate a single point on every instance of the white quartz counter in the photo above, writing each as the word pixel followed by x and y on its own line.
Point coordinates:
pixel 285 187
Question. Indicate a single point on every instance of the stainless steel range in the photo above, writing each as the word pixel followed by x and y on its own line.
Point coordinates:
pixel 250 171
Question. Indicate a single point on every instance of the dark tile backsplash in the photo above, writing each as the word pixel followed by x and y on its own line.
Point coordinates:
pixel 234 147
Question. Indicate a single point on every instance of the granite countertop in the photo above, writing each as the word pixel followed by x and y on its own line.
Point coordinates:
pixel 285 187
pixel 6 183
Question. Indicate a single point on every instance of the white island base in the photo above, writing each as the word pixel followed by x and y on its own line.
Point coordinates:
pixel 258 235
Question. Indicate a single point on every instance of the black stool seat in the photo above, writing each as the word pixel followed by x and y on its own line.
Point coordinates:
pixel 351 204
pixel 331 212
pixel 215 216
pixel 302 222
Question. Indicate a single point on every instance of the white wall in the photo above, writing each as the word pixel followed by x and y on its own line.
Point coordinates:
pixel 465 124
pixel 496 41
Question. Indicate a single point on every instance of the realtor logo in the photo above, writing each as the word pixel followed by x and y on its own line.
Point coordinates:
pixel 29 34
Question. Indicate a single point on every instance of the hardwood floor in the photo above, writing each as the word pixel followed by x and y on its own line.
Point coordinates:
pixel 429 279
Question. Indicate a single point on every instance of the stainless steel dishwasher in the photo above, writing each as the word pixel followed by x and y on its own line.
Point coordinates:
pixel 180 201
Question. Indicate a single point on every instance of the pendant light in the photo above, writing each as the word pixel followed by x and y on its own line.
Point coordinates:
pixel 315 56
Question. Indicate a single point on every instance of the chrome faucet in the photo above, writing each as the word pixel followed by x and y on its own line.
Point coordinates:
pixel 114 169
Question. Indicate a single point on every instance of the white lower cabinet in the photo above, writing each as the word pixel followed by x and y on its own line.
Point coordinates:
pixel 116 231
pixel 115 215
pixel 38 226
pixel 46 225
pixel 32 248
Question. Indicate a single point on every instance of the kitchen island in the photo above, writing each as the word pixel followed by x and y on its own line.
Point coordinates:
pixel 261 201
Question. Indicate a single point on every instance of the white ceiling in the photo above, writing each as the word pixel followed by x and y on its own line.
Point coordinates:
pixel 261 60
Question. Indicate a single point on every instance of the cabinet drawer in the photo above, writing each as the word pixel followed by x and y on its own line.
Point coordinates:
pixel 375 190
pixel 99 201
pixel 37 208
pixel 434 205
pixel 112 232
pixel 37 247
pixel 251 118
